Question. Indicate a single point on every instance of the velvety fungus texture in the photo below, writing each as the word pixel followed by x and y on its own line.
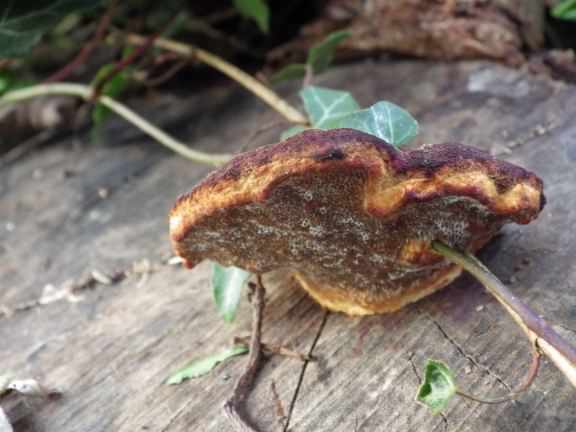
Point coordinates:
pixel 352 216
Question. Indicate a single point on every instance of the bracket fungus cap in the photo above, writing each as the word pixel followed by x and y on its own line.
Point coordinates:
pixel 351 216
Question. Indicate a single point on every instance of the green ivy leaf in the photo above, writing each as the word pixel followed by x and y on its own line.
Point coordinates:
pixel 290 72
pixel 203 366
pixel 565 10
pixel 320 56
pixel 227 284
pixel 384 120
pixel 9 81
pixel 438 386
pixel 292 131
pixel 257 10
pixel 325 107
pixel 24 22
pixel 113 88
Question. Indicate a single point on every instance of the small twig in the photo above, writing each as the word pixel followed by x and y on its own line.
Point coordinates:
pixel 540 334
pixel 278 405
pixel 162 78
pixel 85 92
pixel 129 59
pixel 200 25
pixel 234 407
pixel 220 16
pixel 276 349
pixel 238 75
pixel 88 47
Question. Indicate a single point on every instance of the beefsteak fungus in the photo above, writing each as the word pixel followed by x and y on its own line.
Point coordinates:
pixel 351 216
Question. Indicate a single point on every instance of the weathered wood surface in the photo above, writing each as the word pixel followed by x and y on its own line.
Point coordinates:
pixel 111 347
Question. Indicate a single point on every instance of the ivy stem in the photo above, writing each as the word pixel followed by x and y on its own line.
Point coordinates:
pixel 252 84
pixel 532 372
pixel 85 92
pixel 541 335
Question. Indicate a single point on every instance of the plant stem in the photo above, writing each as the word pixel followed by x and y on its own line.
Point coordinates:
pixel 542 336
pixel 234 407
pixel 256 87
pixel 275 349
pixel 88 47
pixel 530 376
pixel 85 92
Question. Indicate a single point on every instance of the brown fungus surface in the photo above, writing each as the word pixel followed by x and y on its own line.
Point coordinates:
pixel 352 216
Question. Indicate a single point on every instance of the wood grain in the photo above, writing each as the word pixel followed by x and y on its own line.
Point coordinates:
pixel 111 347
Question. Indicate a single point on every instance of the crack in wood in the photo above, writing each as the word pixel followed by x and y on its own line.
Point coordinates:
pixel 568 329
pixel 464 354
pixel 303 370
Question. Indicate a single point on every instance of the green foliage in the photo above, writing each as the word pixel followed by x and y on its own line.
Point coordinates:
pixel 330 109
pixel 320 57
pixel 438 386
pixel 113 88
pixel 565 10
pixel 384 120
pixel 9 81
pixel 23 23
pixel 290 72
pixel 257 10
pixel 203 366
pixel 326 106
pixel 227 284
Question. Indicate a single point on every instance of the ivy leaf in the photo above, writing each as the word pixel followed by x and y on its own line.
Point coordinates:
pixel 113 88
pixel 257 10
pixel 325 107
pixel 23 23
pixel 320 56
pixel 565 10
pixel 290 72
pixel 384 120
pixel 292 131
pixel 9 81
pixel 227 284
pixel 438 386
pixel 203 366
